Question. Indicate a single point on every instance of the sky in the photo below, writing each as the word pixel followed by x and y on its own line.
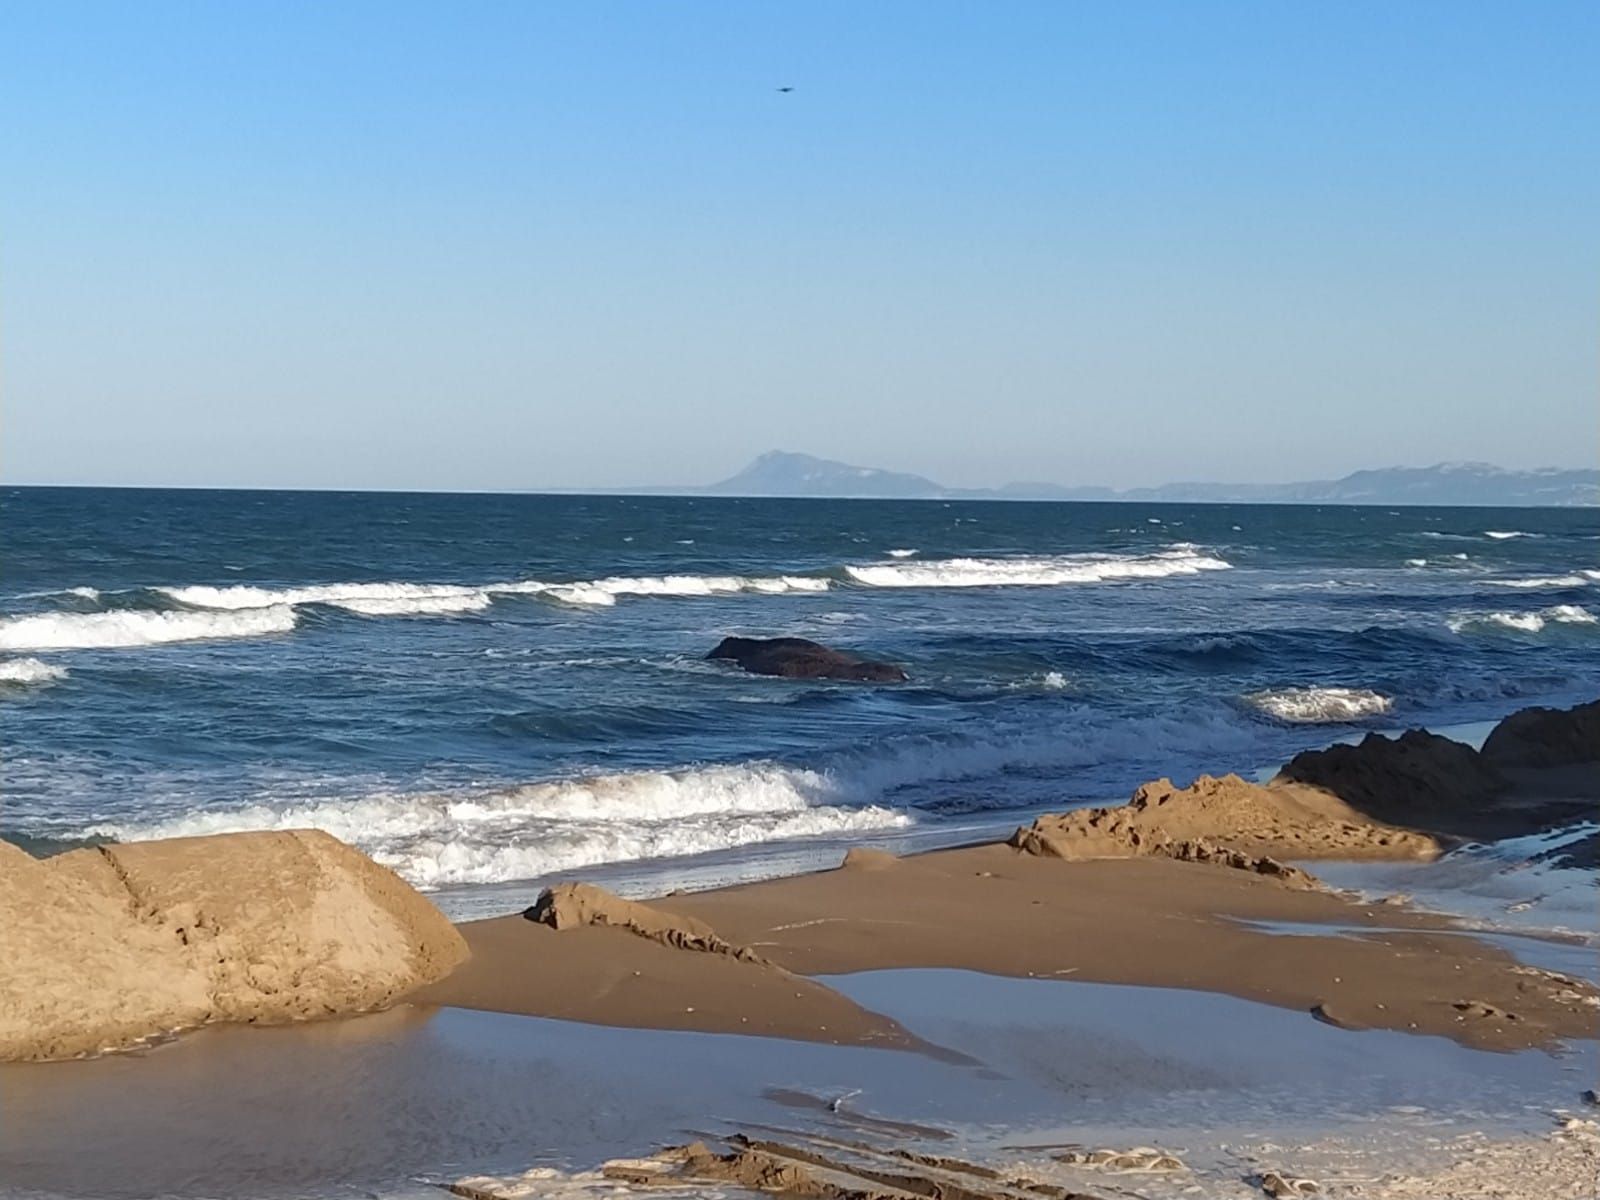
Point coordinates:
pixel 552 245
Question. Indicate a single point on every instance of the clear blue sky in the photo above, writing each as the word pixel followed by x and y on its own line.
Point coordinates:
pixel 471 245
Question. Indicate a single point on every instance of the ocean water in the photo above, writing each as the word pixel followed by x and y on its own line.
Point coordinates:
pixel 479 689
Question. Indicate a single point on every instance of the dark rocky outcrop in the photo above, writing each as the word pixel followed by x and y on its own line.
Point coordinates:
pixel 798 658
pixel 1546 737
pixel 1418 780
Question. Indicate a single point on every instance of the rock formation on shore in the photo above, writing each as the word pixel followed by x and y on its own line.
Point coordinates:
pixel 799 658
pixel 1406 797
pixel 1546 737
pixel 109 946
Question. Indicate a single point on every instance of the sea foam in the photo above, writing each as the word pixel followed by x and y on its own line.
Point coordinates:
pixel 1037 571
pixel 524 832
pixel 1316 705
pixel 1542 581
pixel 499 834
pixel 21 671
pixel 370 599
pixel 129 627
pixel 1524 622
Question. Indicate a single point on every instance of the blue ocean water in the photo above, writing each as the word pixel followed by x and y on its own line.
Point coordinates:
pixel 482 688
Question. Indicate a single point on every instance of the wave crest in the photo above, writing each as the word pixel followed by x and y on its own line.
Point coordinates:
pixel 370 599
pixel 128 627
pixel 1036 571
pixel 29 670
pixel 1524 622
pixel 1317 705
pixel 525 832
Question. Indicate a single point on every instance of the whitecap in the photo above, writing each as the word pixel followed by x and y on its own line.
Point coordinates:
pixel 559 825
pixel 1316 705
pixel 1524 622
pixel 518 832
pixel 127 627
pixel 23 671
pixel 606 591
pixel 1036 571
pixel 1541 581
pixel 371 599
pixel 905 553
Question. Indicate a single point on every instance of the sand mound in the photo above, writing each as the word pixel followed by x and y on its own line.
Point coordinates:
pixel 110 946
pixel 1546 737
pixel 574 905
pixel 1227 821
pixel 868 858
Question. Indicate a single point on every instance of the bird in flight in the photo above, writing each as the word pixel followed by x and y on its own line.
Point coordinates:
pixel 786 89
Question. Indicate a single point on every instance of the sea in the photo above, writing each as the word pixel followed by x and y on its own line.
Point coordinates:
pixel 483 691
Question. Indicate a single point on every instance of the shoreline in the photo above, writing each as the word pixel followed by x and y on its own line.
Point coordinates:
pixel 914 1006
pixel 1180 888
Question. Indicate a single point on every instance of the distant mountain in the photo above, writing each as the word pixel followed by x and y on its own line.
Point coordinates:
pixel 780 473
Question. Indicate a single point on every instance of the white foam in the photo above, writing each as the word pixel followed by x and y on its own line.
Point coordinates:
pixel 1501 535
pixel 902 553
pixel 29 670
pixel 606 591
pixel 371 599
pixel 1541 581
pixel 1315 705
pixel 129 627
pixel 1416 562
pixel 1039 571
pixel 508 833
pixel 521 833
pixel 1525 622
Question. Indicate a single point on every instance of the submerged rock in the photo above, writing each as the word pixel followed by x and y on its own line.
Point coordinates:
pixel 798 658
pixel 110 946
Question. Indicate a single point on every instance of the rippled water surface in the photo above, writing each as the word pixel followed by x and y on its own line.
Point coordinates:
pixel 479 689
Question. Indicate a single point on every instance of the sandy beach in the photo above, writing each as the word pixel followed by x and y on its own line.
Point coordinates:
pixel 1178 889
pixel 1154 999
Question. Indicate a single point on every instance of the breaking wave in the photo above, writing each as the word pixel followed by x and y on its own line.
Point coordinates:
pixel 606 591
pixel 1546 581
pixel 371 599
pixel 21 671
pixel 501 834
pixel 1315 705
pixel 1040 571
pixel 408 599
pixel 128 627
pixel 542 828
pixel 1525 622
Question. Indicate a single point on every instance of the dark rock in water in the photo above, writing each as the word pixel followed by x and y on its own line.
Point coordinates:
pixel 1546 737
pixel 797 658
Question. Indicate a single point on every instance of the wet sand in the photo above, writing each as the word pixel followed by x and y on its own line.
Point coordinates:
pixel 1151 922
pixel 391 1104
